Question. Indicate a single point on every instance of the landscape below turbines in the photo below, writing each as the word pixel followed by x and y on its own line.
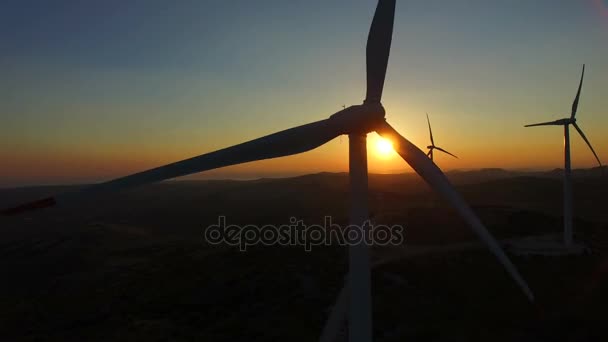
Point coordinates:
pixel 189 171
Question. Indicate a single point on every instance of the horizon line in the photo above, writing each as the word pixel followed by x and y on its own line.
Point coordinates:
pixel 258 176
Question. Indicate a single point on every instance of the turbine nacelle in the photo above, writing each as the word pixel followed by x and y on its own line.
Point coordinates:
pixel 566 121
pixel 363 118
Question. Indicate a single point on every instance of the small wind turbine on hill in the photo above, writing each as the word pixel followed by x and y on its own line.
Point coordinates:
pixel 567 170
pixel 432 146
pixel 355 121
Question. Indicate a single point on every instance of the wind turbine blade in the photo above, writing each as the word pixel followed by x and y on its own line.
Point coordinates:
pixel 444 151
pixel 337 316
pixel 439 182
pixel 288 142
pixel 39 204
pixel 378 49
pixel 549 123
pixel 580 131
pixel 578 94
pixel 430 131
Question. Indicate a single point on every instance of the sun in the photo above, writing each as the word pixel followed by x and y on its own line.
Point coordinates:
pixel 384 147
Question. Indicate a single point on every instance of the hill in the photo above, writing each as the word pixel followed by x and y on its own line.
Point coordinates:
pixel 135 266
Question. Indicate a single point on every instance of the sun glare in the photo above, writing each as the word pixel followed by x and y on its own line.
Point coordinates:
pixel 384 148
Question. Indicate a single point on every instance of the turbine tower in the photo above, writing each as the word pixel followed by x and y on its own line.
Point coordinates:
pixel 566 122
pixel 432 146
pixel 355 121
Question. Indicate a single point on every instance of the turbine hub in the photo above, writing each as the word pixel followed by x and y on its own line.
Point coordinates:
pixel 359 118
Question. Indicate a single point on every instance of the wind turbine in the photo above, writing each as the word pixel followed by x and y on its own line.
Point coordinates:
pixel 356 121
pixel 567 170
pixel 432 146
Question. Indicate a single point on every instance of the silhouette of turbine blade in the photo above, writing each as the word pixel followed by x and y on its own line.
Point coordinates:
pixel 444 151
pixel 578 95
pixel 40 204
pixel 439 182
pixel 430 131
pixel 550 123
pixel 580 131
pixel 337 316
pixel 378 48
pixel 288 142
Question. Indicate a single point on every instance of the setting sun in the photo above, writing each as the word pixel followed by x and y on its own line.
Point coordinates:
pixel 384 147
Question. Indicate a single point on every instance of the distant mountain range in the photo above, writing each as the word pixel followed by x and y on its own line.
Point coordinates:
pixel 481 175
pixel 458 176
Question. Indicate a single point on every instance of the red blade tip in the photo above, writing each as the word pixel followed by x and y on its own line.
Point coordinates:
pixel 43 203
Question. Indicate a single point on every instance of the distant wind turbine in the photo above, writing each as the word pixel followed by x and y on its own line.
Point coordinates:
pixel 356 122
pixel 567 170
pixel 432 146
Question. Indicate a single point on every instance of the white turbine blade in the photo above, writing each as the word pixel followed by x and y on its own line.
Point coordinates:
pixel 580 131
pixel 337 315
pixel 439 182
pixel 550 123
pixel 288 142
pixel 378 48
pixel 444 151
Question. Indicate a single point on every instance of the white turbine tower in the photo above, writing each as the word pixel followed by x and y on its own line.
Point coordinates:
pixel 432 146
pixel 356 121
pixel 567 170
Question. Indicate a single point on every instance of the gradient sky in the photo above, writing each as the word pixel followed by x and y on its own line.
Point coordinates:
pixel 92 90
